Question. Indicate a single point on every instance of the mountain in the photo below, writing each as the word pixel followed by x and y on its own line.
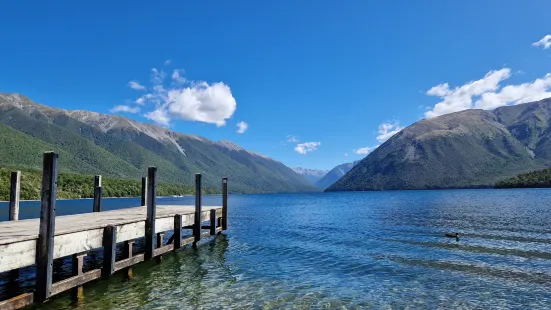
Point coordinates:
pixel 472 148
pixel 311 175
pixel 118 147
pixel 334 174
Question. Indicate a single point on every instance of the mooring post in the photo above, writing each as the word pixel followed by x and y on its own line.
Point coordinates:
pixel 177 237
pixel 212 222
pixel 151 213
pixel 109 250
pixel 197 223
pixel 15 190
pixel 45 242
pixel 144 192
pixel 97 193
pixel 77 262
pixel 224 203
pixel 160 244
pixel 127 253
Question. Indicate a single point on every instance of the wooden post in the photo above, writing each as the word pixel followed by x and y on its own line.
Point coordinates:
pixel 151 213
pixel 212 222
pixel 197 224
pixel 109 250
pixel 77 262
pixel 177 231
pixel 127 253
pixel 144 191
pixel 45 242
pixel 160 244
pixel 224 203
pixel 97 193
pixel 15 190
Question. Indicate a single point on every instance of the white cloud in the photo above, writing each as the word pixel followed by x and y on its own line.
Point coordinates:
pixel 242 127
pixel 387 130
pixel 545 42
pixel 345 154
pixel 168 62
pixel 487 93
pixel 125 109
pixel 365 150
pixel 306 147
pixel 135 85
pixel 187 100
pixel 292 139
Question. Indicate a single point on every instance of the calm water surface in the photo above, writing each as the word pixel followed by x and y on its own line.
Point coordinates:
pixel 376 250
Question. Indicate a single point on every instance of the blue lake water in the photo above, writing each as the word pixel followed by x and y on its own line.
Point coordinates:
pixel 376 250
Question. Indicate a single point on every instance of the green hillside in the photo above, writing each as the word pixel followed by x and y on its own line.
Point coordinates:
pixel 534 179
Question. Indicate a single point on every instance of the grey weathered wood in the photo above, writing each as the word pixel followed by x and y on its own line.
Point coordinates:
pixel 15 190
pixel 144 192
pixel 17 302
pixel 159 245
pixel 126 263
pixel 109 250
pixel 224 203
pixel 77 262
pixel 212 222
pixel 151 213
pixel 177 236
pixel 127 254
pixel 75 281
pixel 97 193
pixel 45 242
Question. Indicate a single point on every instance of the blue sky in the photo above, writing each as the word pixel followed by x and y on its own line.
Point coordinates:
pixel 328 79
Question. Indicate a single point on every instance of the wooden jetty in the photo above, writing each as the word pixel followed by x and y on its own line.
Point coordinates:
pixel 38 242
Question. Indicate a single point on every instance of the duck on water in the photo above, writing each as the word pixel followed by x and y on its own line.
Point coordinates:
pixel 453 235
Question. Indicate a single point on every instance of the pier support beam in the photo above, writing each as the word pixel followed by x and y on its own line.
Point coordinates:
pixel 197 223
pixel 45 242
pixel 109 250
pixel 97 193
pixel 177 237
pixel 212 222
pixel 144 192
pixel 127 253
pixel 160 245
pixel 15 191
pixel 77 262
pixel 151 213
pixel 224 203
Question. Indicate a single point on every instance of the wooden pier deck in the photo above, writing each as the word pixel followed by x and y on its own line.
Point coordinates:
pixel 39 241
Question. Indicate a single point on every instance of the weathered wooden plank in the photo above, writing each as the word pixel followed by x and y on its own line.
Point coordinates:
pixel 224 203
pixel 81 241
pixel 17 302
pixel 212 222
pixel 164 224
pixel 125 263
pixel 159 245
pixel 218 229
pixel 162 250
pixel 144 192
pixel 151 213
pixel 75 281
pixel 77 262
pixel 97 193
pixel 109 250
pixel 188 240
pixel 177 236
pixel 197 224
pixel 45 243
pixel 17 255
pixel 130 231
pixel 15 190
pixel 205 234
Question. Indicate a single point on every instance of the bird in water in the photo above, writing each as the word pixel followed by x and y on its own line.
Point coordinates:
pixel 453 235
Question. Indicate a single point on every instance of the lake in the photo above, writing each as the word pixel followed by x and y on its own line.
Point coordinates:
pixel 379 250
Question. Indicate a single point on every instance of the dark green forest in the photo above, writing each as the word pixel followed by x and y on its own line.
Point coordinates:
pixel 73 186
pixel 538 178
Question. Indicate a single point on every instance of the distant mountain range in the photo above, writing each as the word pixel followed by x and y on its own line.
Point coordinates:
pixel 115 146
pixel 311 175
pixel 472 148
pixel 334 174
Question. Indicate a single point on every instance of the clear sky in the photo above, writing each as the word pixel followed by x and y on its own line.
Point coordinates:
pixel 315 82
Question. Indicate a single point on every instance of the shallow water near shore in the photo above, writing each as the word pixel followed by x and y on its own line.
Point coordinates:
pixel 375 250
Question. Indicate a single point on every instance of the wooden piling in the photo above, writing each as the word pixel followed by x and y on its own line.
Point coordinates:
pixel 212 222
pixel 144 192
pixel 77 262
pixel 177 237
pixel 160 245
pixel 97 193
pixel 127 253
pixel 109 250
pixel 197 223
pixel 45 242
pixel 224 203
pixel 151 213
pixel 15 190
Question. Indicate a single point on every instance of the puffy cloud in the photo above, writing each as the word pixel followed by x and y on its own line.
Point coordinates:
pixel 135 85
pixel 187 100
pixel 125 109
pixel 168 62
pixel 306 147
pixel 486 93
pixel 242 127
pixel 545 42
pixel 387 130
pixel 292 139
pixel 365 150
